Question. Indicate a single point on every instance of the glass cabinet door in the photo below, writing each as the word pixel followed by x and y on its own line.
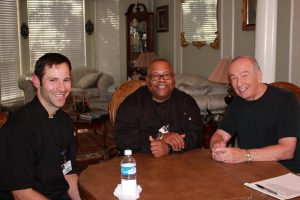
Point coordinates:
pixel 139 32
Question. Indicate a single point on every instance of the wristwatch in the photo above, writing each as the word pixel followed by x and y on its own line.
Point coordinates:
pixel 248 155
pixel 159 136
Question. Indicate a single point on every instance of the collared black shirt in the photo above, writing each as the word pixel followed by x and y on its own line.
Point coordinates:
pixel 32 149
pixel 139 116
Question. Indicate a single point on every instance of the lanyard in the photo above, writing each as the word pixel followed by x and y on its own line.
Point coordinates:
pixel 164 124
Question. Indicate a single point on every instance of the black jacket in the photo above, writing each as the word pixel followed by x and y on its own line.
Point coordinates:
pixel 139 116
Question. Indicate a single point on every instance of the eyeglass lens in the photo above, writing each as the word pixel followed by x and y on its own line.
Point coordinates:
pixel 166 76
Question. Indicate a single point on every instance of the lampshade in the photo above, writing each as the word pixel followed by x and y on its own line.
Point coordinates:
pixel 220 74
pixel 145 58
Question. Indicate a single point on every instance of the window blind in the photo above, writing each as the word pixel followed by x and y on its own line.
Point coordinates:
pixel 9 51
pixel 57 26
pixel 200 20
pixel 107 35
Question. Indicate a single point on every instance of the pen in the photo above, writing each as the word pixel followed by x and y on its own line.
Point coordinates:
pixel 267 189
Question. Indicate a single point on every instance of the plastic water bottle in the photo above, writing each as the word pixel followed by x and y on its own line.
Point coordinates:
pixel 128 174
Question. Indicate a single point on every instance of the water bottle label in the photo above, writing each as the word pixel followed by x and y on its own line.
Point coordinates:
pixel 128 169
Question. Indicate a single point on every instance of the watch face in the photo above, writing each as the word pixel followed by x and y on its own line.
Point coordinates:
pixel 159 136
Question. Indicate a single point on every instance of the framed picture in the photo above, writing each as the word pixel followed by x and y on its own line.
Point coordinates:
pixel 162 18
pixel 249 15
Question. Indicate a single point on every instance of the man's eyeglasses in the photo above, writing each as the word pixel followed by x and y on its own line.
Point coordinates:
pixel 156 77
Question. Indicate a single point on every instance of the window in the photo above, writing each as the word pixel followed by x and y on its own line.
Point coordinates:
pixel 57 26
pixel 200 20
pixel 9 51
pixel 107 35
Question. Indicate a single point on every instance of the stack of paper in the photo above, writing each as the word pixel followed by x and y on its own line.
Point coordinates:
pixel 281 187
pixel 93 114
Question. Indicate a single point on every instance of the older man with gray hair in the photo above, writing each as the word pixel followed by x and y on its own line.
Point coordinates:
pixel 264 118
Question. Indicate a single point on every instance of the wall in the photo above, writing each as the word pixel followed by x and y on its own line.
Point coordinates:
pixel 226 25
pixel 24 43
pixel 90 39
pixel 234 41
pixel 244 41
pixel 288 41
pixel 295 44
pixel 202 61
pixel 189 60
pixel 283 38
pixel 164 41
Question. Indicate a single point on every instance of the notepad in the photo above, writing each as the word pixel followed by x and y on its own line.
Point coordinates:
pixel 281 187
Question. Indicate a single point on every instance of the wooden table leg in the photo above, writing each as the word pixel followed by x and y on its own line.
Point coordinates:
pixel 3 118
pixel 104 130
pixel 209 129
pixel 76 137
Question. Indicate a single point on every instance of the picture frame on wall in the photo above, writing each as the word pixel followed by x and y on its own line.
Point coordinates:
pixel 162 18
pixel 249 15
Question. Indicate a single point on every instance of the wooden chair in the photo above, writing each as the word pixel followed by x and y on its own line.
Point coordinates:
pixel 3 118
pixel 288 86
pixel 120 94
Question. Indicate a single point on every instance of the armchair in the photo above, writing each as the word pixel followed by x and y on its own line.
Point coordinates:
pixel 120 94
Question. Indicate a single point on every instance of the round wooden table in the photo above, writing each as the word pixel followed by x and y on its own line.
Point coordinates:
pixel 190 175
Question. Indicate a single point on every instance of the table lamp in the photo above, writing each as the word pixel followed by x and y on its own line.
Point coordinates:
pixel 220 75
pixel 144 59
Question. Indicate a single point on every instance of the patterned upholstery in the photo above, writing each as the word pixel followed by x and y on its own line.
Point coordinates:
pixel 120 94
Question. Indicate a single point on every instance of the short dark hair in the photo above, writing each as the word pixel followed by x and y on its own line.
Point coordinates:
pixel 159 60
pixel 49 59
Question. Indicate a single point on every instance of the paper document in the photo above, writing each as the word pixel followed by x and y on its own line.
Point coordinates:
pixel 281 187
pixel 93 114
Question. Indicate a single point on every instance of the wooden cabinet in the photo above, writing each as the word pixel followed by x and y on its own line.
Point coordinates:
pixel 139 35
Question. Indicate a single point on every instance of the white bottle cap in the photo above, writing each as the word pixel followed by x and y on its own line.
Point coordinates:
pixel 128 152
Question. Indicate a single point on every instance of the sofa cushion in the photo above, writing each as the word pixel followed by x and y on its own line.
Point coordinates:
pixel 88 92
pixel 192 80
pixel 103 83
pixel 217 89
pixel 208 95
pixel 194 91
pixel 211 102
pixel 25 83
pixel 88 81
pixel 78 73
pixel 92 92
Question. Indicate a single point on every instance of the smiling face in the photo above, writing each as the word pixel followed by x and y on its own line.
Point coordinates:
pixel 246 79
pixel 160 80
pixel 54 87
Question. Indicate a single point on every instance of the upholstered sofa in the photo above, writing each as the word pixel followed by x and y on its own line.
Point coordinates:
pixel 85 81
pixel 208 95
